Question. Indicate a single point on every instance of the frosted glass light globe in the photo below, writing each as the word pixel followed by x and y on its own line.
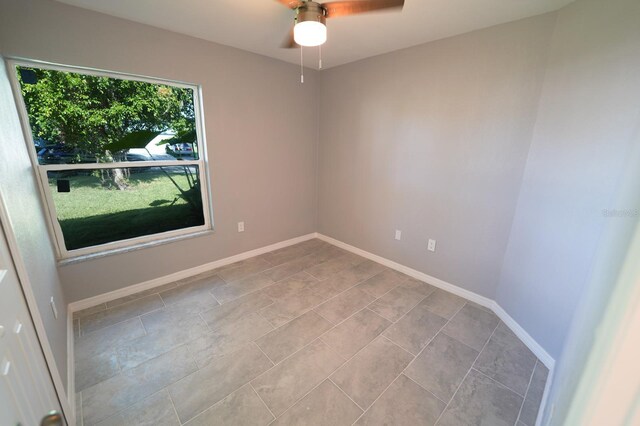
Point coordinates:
pixel 310 33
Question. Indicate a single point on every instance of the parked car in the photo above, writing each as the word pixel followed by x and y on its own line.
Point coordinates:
pixel 180 149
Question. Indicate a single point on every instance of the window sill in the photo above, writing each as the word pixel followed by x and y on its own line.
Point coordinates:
pixel 140 246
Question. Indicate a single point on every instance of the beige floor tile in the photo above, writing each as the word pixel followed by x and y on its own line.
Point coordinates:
pixel 283 341
pixel 342 344
pixel 294 266
pixel 396 303
pixel 298 249
pixel 177 318
pixel 419 286
pixel 327 269
pixel 290 286
pixel 365 269
pixel 235 289
pixel 353 334
pixel 344 305
pixel 120 313
pixel 442 365
pixel 243 269
pixel 290 307
pixel 127 388
pixel 212 383
pixel 191 291
pixel 371 371
pixel 482 401
pixel 289 381
pixel 227 313
pixel 241 408
pixel 444 304
pixel 156 410
pixel 93 343
pixel 479 306
pixel 194 305
pixel 404 403
pixel 472 326
pixel 326 405
pixel 382 282
pixel 115 420
pixel 416 328
pixel 228 339
pixel 507 360
pixel 337 283
pixel 533 398
pixel 164 332
pixel 95 368
pixel 95 353
pixel 283 255
pixel 286 254
pixel 140 294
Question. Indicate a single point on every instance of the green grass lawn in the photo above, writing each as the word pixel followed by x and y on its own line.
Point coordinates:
pixel 92 214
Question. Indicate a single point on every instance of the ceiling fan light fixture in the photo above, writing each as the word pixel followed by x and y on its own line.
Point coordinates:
pixel 310 33
pixel 309 28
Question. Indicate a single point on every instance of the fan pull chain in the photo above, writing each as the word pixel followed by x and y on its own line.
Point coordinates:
pixel 320 57
pixel 301 67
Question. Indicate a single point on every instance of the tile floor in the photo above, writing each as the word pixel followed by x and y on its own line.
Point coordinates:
pixel 306 335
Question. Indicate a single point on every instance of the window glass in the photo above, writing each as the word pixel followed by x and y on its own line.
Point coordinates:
pixel 118 158
pixel 92 212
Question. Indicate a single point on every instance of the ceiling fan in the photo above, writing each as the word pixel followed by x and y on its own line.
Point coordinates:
pixel 309 27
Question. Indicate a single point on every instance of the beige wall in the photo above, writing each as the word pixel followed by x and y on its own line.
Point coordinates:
pixel 564 254
pixel 584 134
pixel 432 140
pixel 261 126
pixel 22 200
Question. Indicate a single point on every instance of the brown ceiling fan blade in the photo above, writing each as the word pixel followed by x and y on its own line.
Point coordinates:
pixel 335 9
pixel 289 42
pixel 291 4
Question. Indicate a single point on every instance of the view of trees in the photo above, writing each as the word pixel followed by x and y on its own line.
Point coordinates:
pixel 84 113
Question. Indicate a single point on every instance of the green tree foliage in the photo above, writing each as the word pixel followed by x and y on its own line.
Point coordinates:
pixel 84 113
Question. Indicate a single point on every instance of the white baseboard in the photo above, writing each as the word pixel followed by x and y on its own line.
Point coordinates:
pixel 136 288
pixel 71 366
pixel 545 397
pixel 543 355
pixel 526 338
pixel 458 291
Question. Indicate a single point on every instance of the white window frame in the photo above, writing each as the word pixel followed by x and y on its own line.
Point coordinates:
pixel 119 246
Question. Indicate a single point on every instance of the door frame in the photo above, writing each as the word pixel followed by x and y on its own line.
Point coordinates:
pixel 67 402
pixel 608 389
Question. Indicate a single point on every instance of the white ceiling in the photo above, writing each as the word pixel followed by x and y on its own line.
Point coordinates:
pixel 260 26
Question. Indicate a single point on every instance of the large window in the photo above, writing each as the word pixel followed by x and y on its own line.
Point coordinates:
pixel 120 159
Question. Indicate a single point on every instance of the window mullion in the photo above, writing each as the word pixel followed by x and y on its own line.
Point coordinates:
pixel 119 165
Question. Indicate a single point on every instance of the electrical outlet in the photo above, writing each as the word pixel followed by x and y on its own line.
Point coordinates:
pixel 53 308
pixel 431 246
pixel 398 234
pixel 240 226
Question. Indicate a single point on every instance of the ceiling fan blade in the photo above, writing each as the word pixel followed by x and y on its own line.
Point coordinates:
pixel 344 8
pixel 289 42
pixel 291 4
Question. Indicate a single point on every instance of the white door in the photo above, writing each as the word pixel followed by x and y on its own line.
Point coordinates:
pixel 27 394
